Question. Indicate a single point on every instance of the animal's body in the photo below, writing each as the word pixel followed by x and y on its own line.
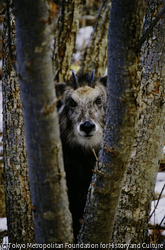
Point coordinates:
pixel 81 113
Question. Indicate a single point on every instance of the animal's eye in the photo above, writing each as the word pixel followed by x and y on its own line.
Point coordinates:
pixel 98 101
pixel 72 103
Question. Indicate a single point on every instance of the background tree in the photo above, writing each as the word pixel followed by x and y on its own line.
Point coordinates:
pixel 95 56
pixel 2 188
pixel 17 190
pixel 65 38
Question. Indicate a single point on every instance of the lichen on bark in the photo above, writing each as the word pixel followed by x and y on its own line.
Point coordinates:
pixel 18 211
pixel 131 223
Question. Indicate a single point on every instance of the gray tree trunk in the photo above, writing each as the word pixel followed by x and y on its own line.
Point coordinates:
pixel 52 219
pixel 17 191
pixel 131 223
pixel 124 81
pixel 95 56
pixel 65 37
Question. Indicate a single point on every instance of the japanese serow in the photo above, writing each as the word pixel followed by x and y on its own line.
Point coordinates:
pixel 81 111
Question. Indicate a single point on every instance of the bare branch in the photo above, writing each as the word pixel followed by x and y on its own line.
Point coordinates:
pixel 157 201
pixel 149 30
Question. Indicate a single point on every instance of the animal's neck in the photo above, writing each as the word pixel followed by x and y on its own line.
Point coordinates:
pixel 79 154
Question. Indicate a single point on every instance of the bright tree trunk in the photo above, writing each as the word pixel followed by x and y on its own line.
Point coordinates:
pixel 131 223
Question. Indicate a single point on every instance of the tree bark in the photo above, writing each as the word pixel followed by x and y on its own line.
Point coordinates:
pixel 17 190
pixel 124 79
pixel 131 223
pixel 2 187
pixel 52 218
pixel 65 37
pixel 95 56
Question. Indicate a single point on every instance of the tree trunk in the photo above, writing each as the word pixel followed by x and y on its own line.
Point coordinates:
pixel 18 210
pixel 52 219
pixel 2 187
pixel 65 38
pixel 124 79
pixel 95 56
pixel 43 144
pixel 131 223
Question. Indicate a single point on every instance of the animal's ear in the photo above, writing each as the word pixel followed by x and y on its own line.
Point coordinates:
pixel 75 80
pixel 60 88
pixel 92 78
pixel 103 80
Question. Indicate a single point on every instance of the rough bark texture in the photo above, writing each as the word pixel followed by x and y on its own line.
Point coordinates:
pixel 95 56
pixel 131 222
pixel 2 187
pixel 124 79
pixel 18 212
pixel 52 218
pixel 65 38
pixel 90 7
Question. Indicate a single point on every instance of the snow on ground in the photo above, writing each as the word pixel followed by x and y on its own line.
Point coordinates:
pixel 3 224
pixel 3 227
pixel 160 181
pixel 159 213
pixel 160 210
pixel 83 37
pixel 82 40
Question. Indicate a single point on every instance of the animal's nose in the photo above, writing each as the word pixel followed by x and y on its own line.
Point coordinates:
pixel 87 127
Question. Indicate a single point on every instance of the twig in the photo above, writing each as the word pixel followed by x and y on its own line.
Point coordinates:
pixel 157 201
pixel 23 185
pixel 3 6
pixel 94 184
pixel 3 234
pixel 95 155
pixel 97 165
pixel 46 110
pixel 161 221
pixel 97 161
pixel 112 151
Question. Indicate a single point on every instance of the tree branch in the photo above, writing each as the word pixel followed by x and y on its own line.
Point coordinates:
pixel 157 201
pixel 149 30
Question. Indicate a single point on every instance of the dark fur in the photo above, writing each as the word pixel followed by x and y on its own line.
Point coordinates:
pixel 79 159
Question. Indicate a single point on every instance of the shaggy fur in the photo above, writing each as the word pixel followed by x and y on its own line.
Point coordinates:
pixel 81 113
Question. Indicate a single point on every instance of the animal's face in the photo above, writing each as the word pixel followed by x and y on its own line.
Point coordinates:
pixel 81 114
